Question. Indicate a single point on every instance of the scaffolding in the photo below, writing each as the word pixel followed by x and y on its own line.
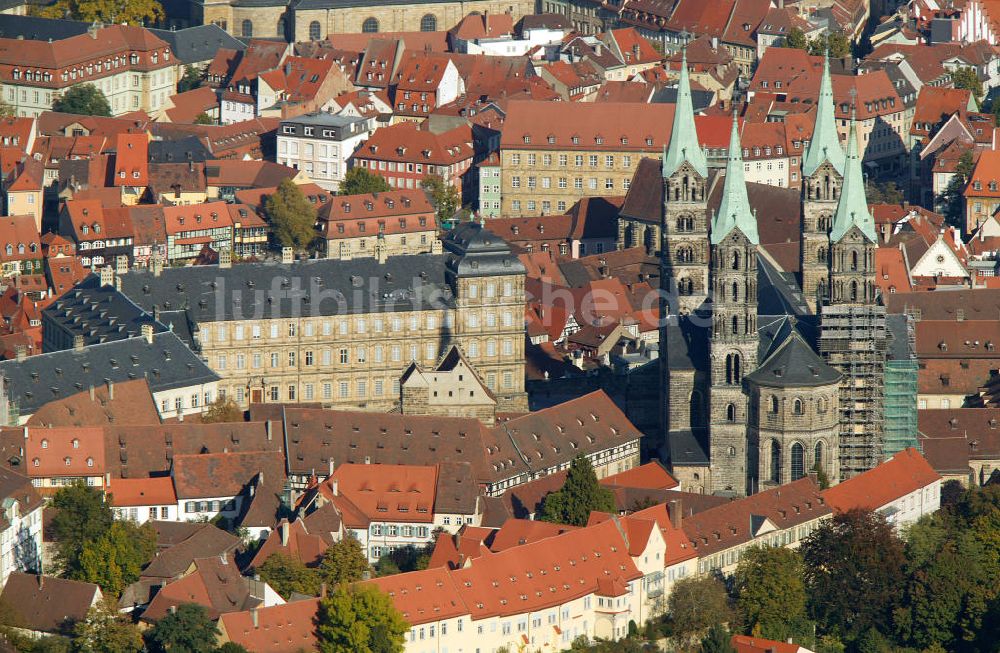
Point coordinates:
pixel 853 340
pixel 901 370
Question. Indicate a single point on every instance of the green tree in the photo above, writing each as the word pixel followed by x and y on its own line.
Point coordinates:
pixel 952 201
pixel 796 39
pixel 344 562
pixel 771 595
pixel 115 559
pixel 359 180
pixel 967 78
pixel 821 478
pixel 579 495
pixel 188 630
pixel 694 605
pixel 223 409
pixel 853 573
pixel 204 119
pixel 717 640
pixel 292 217
pixel 105 630
pixel 190 80
pixel 109 12
pixel 403 559
pixel 444 196
pixel 7 110
pixel 82 516
pixel 885 193
pixel 286 575
pixel 85 100
pixel 231 647
pixel 359 619
pixel 835 43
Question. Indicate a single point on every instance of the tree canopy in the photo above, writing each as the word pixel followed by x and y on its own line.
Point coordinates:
pixel 190 80
pixel 771 594
pixel 105 630
pixel 444 196
pixel 82 516
pixel 286 575
pixel 579 495
pixel 952 200
pixel 359 619
pixel 359 180
pixel 115 559
pixel 344 562
pixel 85 99
pixel 836 43
pixel 108 12
pixel 796 39
pixel 967 78
pixel 188 630
pixel 292 217
pixel 223 409
pixel 696 604
pixel 717 640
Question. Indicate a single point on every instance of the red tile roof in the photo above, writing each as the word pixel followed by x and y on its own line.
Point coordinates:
pixel 409 143
pixel 65 451
pixel 196 217
pixel 157 491
pixel 904 473
pixel 287 628
pixel 745 644
pixel 397 493
pixel 132 160
pixel 651 476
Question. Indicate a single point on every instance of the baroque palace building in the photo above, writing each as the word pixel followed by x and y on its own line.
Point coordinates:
pixel 761 382
pixel 340 333
pixel 304 20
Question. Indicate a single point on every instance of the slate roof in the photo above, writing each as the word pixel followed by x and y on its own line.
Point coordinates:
pixel 793 364
pixel 198 43
pixel 167 363
pixel 179 150
pixel 98 313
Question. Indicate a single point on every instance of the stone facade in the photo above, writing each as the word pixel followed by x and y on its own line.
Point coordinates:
pixel 820 194
pixel 452 389
pixel 685 235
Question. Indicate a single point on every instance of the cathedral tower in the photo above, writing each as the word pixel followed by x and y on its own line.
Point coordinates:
pixel 853 327
pixel 822 178
pixel 684 249
pixel 734 242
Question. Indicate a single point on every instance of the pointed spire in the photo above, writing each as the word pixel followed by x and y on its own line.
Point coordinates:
pixel 734 211
pixel 683 137
pixel 852 209
pixel 825 143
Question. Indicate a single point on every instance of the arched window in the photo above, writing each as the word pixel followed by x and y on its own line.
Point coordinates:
pixel 773 405
pixel 370 26
pixel 685 286
pixel 818 455
pixel 797 407
pixel 429 23
pixel 797 471
pixel 315 31
pixel 821 405
pixel 733 373
pixel 854 260
pixel 736 325
pixel 732 451
pixel 731 413
pixel 775 462
pixel 282 26
pixel 736 292
pixel 854 291
pixel 821 255
pixel 248 28
pixel 736 260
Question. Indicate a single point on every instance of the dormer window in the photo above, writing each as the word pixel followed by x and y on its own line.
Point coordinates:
pixel 135 174
pixel 133 59
pixel 85 229
pixel 45 444
pixel 76 443
pixel 527 138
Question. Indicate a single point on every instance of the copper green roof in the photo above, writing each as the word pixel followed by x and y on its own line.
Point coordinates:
pixel 683 136
pixel 734 211
pixel 852 209
pixel 825 143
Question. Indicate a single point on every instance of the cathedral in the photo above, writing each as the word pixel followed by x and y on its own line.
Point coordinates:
pixel 767 374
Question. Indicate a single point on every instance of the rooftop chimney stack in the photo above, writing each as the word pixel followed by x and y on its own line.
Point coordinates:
pixel 20 352
pixel 78 343
pixel 675 513
pixel 147 332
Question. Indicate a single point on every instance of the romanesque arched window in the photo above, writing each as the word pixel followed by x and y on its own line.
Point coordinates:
pixel 733 372
pixel 731 413
pixel 818 455
pixel 247 28
pixel 775 462
pixel 773 405
pixel 797 407
pixel 370 26
pixel 735 260
pixel 854 260
pixel 428 23
pixel 315 31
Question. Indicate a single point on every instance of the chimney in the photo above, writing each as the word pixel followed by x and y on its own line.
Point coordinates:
pixel 20 352
pixel 284 533
pixel 331 467
pixel 78 343
pixel 111 390
pixel 253 617
pixel 287 255
pixel 25 432
pixel 173 609
pixel 147 332
pixel 91 393
pixel 267 429
pixel 335 487
pixel 675 513
pixel 322 590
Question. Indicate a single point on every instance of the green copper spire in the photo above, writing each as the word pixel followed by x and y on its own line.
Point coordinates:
pixel 825 144
pixel 734 211
pixel 683 137
pixel 852 209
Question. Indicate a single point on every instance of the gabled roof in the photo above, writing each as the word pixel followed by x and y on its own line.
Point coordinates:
pixel 214 583
pixel 48 604
pixel 197 476
pixel 132 160
pixel 287 628
pixel 904 473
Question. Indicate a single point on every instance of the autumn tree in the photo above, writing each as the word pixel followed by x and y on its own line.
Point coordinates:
pixel 286 575
pixel 108 12
pixel 967 78
pixel 771 595
pixel 579 495
pixel 292 217
pixel 223 409
pixel 344 562
pixel 796 39
pixel 105 630
pixel 187 630
pixel 444 196
pixel 695 605
pixel 359 619
pixel 358 181
pixel 85 100
pixel 114 560
pixel 853 573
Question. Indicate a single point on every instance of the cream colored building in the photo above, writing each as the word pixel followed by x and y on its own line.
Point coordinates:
pixel 341 333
